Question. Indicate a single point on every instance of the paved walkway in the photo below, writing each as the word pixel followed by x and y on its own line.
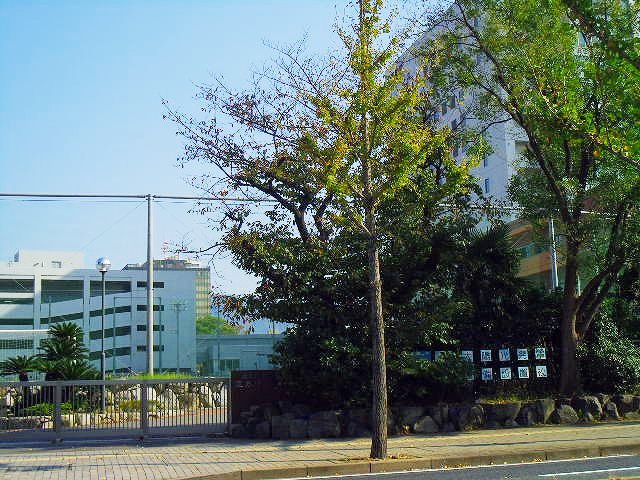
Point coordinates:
pixel 162 459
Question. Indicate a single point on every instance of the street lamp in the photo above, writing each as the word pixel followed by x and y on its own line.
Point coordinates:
pixel 102 265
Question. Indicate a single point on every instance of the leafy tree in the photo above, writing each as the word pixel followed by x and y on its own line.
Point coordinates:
pixel 214 325
pixel 525 63
pixel 20 365
pixel 330 144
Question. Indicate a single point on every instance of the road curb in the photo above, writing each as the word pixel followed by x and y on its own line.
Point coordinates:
pixel 403 465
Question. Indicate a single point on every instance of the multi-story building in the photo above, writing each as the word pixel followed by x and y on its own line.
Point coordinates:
pixel 38 289
pixel 507 142
pixel 202 284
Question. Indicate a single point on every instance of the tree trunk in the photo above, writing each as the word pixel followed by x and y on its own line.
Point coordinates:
pixel 379 377
pixel 569 382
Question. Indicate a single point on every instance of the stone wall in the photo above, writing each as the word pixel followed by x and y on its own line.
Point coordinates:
pixel 283 420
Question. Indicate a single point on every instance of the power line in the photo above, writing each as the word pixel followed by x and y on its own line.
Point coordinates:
pixel 136 196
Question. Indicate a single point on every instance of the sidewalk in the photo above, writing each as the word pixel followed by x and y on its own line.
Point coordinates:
pixel 249 460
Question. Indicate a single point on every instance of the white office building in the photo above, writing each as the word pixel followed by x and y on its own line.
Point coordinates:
pixel 38 289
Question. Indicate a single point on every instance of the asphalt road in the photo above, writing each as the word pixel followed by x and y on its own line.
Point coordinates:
pixel 603 468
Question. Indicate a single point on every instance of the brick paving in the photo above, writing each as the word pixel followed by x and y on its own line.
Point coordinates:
pixel 180 459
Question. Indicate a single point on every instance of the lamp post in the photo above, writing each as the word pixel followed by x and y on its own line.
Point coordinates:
pixel 102 265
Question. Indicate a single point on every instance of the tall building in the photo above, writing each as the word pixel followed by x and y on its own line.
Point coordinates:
pixel 36 294
pixel 508 141
pixel 202 279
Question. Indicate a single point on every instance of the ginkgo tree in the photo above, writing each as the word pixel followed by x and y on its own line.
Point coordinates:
pixel 327 142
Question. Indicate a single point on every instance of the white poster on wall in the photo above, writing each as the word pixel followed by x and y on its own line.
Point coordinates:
pixel 505 373
pixel 504 355
pixel 523 372
pixel 487 374
pixel 485 355
pixel 541 353
pixel 541 371
pixel 523 354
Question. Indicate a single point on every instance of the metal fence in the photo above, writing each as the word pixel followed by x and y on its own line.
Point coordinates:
pixel 96 408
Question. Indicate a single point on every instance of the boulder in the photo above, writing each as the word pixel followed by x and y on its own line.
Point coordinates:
pixel 238 431
pixel 263 430
pixel 448 427
pixel 409 415
pixel 280 426
pixel 439 413
pixel 611 411
pixel 545 407
pixel 624 403
pixel 360 416
pixel 564 414
pixel 528 416
pixel 587 417
pixel 426 424
pixel 588 404
pixel 324 424
pixel 467 417
pixel 603 399
pixel 501 412
pixel 301 411
pixel 298 428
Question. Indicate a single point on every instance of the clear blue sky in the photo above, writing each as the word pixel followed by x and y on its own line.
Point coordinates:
pixel 81 85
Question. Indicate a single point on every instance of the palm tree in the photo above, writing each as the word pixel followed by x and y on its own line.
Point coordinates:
pixel 61 350
pixel 20 365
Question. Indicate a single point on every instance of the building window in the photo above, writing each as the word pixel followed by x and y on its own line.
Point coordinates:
pixel 16 285
pixel 444 108
pixel 487 185
pixel 56 264
pixel 143 348
pixel 143 328
pixel 156 308
pixel 452 101
pixel 453 124
pixel 155 284
pixel 229 364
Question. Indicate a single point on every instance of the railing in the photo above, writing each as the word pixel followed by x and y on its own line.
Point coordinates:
pixel 136 408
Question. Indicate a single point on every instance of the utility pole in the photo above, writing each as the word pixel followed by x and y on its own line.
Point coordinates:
pixel 150 284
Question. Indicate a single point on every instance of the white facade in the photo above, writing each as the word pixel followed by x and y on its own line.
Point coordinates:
pixel 507 139
pixel 34 297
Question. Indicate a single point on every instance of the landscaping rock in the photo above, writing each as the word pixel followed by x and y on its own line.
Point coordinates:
pixel 440 414
pixel 356 429
pixel 511 424
pixel 280 426
pixel 466 417
pixel 624 403
pixel 501 412
pixel 263 430
pixel 588 404
pixel 632 416
pixel 528 416
pixel 587 417
pixel 545 408
pixel 611 411
pixel 238 431
pixel 409 415
pixel 301 411
pixel 298 428
pixel 564 414
pixel 324 424
pixel 448 427
pixel 603 399
pixel 426 424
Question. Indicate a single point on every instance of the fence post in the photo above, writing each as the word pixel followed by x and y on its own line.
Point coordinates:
pixel 144 408
pixel 228 400
pixel 57 412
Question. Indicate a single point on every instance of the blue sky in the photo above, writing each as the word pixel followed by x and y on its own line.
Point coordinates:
pixel 81 85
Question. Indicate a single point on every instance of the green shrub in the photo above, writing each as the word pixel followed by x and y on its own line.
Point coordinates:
pixel 609 361
pixel 46 409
